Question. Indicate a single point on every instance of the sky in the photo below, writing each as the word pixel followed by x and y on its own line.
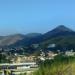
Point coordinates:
pixel 39 16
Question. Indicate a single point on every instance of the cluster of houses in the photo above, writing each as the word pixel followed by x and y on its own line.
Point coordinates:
pixel 28 62
pixel 70 53
pixel 22 59
pixel 32 58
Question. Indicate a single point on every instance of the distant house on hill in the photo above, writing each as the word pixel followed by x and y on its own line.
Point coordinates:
pixel 69 53
pixel 51 45
pixel 51 54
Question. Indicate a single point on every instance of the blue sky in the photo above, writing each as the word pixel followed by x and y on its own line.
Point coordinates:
pixel 27 16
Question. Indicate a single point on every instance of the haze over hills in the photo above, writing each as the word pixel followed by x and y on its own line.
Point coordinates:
pixel 61 36
pixel 12 39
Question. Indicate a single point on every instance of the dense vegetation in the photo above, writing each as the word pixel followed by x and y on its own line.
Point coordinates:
pixel 61 65
pixel 3 58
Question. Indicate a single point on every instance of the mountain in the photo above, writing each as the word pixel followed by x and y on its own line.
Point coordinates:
pixel 11 39
pixel 61 36
pixel 29 39
pixel 61 30
pixel 16 39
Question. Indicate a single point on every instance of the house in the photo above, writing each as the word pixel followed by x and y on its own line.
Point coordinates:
pixel 51 45
pixel 51 54
pixel 69 53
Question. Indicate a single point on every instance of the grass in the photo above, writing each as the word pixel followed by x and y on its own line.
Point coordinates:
pixel 61 65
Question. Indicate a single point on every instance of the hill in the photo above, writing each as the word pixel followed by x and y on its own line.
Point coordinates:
pixel 14 40
pixel 62 37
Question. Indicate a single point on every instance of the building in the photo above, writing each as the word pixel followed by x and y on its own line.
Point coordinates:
pixel 69 53
pixel 51 55
pixel 22 59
